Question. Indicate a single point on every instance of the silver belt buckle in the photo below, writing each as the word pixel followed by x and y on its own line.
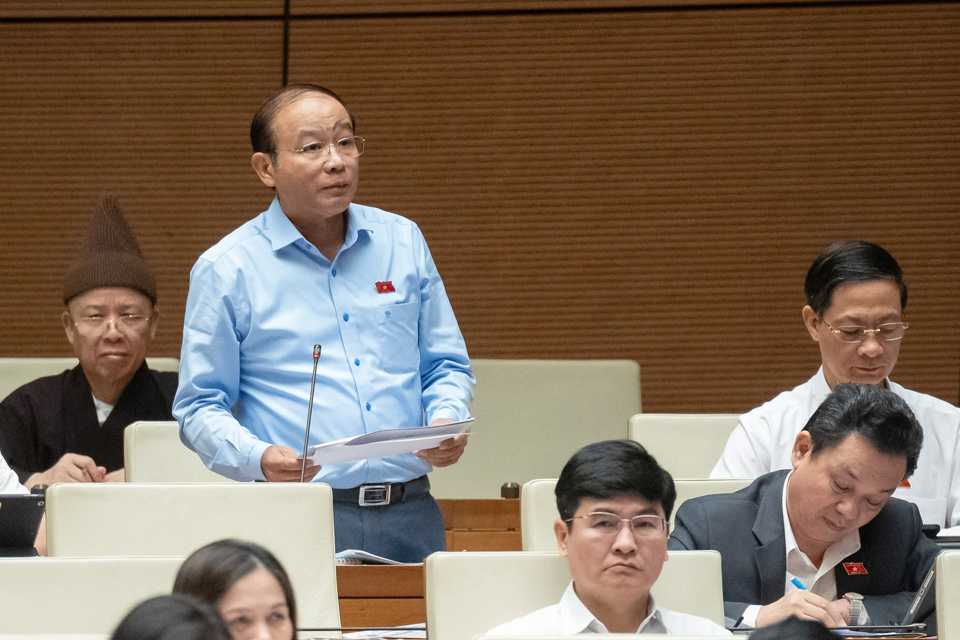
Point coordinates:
pixel 374 495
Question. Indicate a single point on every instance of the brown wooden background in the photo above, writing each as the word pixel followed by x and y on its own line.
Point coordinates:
pixel 645 180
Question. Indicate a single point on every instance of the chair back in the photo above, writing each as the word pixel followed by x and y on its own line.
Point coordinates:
pixel 538 512
pixel 532 415
pixel 77 595
pixel 16 372
pixel 293 521
pixel 538 507
pixel 688 445
pixel 948 595
pixel 153 452
pixel 470 592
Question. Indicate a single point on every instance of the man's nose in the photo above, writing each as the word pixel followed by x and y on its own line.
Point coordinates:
pixel 849 509
pixel 871 346
pixel 624 540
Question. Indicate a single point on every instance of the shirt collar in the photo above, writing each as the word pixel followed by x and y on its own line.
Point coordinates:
pixel 281 232
pixel 576 618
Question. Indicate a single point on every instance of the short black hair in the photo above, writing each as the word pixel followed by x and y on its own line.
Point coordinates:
pixel 261 127
pixel 613 468
pixel 876 414
pixel 172 617
pixel 850 261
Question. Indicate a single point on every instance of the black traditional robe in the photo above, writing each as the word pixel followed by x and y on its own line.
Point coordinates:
pixel 54 415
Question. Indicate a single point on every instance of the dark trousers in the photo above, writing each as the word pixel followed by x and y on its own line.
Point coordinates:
pixel 406 531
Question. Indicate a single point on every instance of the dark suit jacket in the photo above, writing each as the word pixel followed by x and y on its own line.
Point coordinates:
pixel 746 527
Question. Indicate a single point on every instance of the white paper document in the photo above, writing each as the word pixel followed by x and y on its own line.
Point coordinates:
pixel 386 443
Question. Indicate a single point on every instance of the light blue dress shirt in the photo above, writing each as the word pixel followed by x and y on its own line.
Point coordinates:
pixel 263 296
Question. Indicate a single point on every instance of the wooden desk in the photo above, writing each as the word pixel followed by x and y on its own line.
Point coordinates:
pixel 374 595
pixel 482 525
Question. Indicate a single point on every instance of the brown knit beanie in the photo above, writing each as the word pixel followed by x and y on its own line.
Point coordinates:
pixel 109 257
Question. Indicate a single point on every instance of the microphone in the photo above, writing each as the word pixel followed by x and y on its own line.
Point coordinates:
pixel 306 437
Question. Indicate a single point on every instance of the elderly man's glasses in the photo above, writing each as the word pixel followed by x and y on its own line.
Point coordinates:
pixel 853 334
pixel 349 147
pixel 609 524
pixel 97 325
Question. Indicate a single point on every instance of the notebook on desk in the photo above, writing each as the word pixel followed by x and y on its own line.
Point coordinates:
pixel 20 517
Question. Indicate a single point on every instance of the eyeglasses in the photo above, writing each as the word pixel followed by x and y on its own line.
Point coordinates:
pixel 126 323
pixel 853 334
pixel 349 147
pixel 609 524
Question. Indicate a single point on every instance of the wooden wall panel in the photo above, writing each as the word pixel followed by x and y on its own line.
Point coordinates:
pixel 157 113
pixel 654 185
pixel 646 183
pixel 86 9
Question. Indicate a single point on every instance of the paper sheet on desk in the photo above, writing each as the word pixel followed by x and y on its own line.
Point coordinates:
pixel 386 443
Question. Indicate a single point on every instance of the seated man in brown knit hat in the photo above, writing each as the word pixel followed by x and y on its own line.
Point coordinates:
pixel 69 427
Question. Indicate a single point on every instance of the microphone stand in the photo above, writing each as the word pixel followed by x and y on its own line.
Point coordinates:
pixel 306 437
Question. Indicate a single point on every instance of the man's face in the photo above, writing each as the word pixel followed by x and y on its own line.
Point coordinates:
pixel 309 188
pixel 114 350
pixel 865 304
pixel 839 490
pixel 612 569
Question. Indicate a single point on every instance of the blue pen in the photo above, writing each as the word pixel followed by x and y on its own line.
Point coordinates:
pixel 798 584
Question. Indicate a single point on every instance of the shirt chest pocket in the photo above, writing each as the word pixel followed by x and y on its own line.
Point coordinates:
pixel 398 326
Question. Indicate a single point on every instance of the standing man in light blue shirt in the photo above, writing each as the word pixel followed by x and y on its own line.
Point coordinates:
pixel 316 268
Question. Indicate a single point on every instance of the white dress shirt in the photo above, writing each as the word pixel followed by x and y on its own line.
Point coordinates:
pixel 763 441
pixel 571 617
pixel 9 482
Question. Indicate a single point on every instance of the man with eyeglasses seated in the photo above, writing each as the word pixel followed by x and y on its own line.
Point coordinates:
pixel 316 268
pixel 824 541
pixel 615 503
pixel 69 427
pixel 856 296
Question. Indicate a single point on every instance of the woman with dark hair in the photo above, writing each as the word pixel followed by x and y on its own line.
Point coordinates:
pixel 248 585
pixel 173 617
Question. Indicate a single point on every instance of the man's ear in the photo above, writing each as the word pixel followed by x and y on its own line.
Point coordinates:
pixel 68 327
pixel 263 164
pixel 812 322
pixel 560 530
pixel 154 317
pixel 802 447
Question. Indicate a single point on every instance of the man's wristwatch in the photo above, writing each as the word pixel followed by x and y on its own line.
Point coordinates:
pixel 856 606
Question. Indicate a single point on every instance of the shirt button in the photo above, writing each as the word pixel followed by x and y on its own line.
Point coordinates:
pixel 334 273
pixel 346 317
pixel 356 361
pixel 368 406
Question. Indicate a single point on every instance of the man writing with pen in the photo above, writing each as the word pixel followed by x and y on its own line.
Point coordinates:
pixel 316 268
pixel 823 541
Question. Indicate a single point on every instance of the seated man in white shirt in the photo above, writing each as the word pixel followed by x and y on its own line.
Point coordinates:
pixel 615 503
pixel 855 295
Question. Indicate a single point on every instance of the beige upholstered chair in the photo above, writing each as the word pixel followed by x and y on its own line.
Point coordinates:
pixel 538 507
pixel 948 595
pixel 15 372
pixel 532 415
pixel 153 452
pixel 294 521
pixel 77 595
pixel 686 445
pixel 470 592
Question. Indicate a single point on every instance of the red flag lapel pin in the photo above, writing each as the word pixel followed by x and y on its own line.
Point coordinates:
pixel 385 286
pixel 855 568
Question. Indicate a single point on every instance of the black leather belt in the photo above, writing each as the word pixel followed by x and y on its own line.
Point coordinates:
pixel 379 495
